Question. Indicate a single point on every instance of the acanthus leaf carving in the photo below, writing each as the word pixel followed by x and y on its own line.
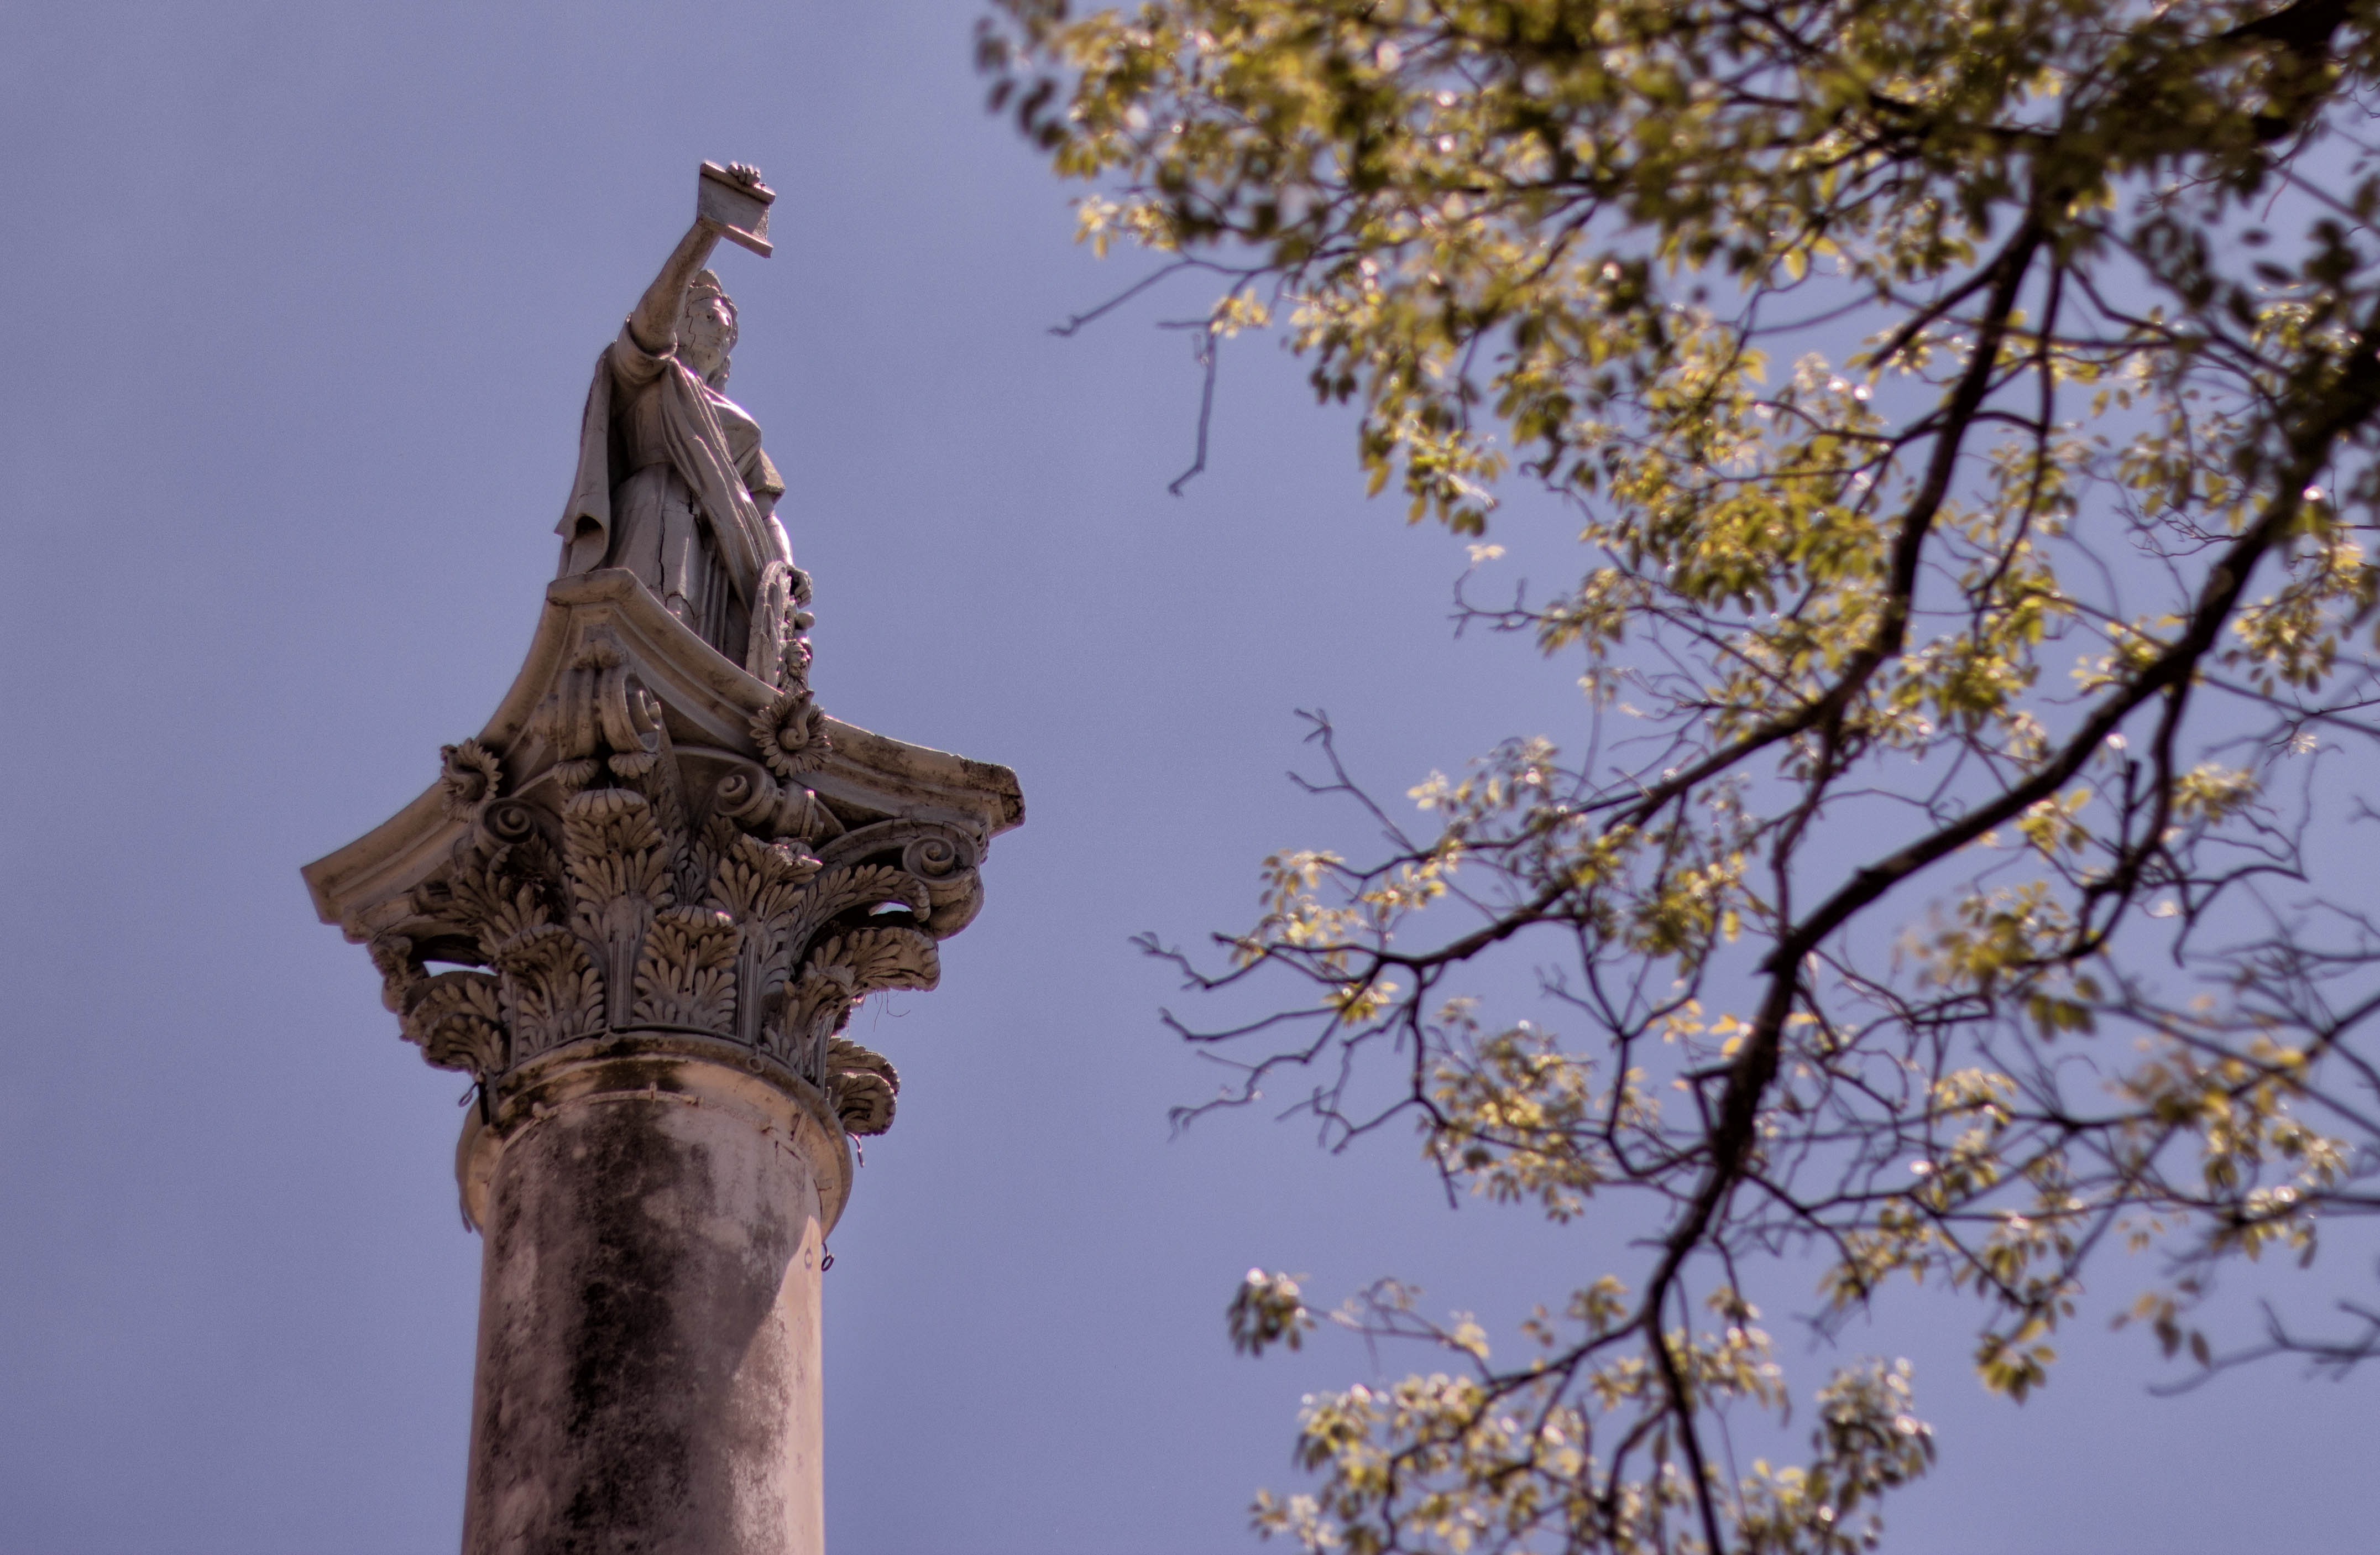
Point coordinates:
pixel 863 888
pixel 618 865
pixel 759 886
pixel 757 879
pixel 400 972
pixel 844 1056
pixel 616 885
pixel 864 1085
pixel 686 977
pixel 457 1020
pixel 840 972
pixel 812 1008
pixel 882 958
pixel 552 991
pixel 575 775
pixel 863 1102
pixel 503 883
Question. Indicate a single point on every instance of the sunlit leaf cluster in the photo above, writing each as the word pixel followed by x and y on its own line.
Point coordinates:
pixel 1964 412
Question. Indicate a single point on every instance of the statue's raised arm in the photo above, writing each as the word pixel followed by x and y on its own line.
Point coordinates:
pixel 654 323
pixel 673 484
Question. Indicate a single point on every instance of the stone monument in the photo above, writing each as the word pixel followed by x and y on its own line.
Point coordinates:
pixel 639 908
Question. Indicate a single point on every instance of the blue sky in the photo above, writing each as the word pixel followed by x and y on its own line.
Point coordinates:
pixel 303 299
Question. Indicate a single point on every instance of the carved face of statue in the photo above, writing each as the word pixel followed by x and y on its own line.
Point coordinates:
pixel 706 330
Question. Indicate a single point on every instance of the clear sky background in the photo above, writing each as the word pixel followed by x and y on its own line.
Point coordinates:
pixel 301 301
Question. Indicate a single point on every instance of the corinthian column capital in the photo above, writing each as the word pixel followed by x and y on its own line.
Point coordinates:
pixel 647 850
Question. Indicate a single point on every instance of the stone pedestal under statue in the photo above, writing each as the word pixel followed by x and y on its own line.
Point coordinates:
pixel 639 908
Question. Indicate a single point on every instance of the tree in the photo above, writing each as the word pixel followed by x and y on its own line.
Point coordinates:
pixel 1967 410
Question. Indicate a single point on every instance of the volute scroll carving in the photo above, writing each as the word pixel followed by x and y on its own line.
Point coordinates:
pixel 864 1085
pixel 637 852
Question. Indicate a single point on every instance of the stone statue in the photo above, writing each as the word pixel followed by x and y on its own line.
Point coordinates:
pixel 673 484
pixel 639 908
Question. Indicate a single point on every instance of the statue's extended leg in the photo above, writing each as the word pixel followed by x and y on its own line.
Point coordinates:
pixel 681 554
pixel 637 504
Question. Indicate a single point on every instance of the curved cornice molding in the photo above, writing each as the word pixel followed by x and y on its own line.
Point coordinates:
pixel 708 700
pixel 645 843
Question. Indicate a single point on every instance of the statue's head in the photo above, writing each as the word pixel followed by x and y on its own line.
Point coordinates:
pixel 706 328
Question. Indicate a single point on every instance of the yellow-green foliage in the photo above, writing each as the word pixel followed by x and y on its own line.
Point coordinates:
pixel 1965 410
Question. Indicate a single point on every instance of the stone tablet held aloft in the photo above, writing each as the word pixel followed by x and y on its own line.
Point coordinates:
pixel 734 197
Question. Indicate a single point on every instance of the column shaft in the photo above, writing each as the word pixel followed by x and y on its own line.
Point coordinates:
pixel 648 1364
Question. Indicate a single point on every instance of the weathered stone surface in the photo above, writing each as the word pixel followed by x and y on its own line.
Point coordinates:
pixel 673 484
pixel 645 841
pixel 647 1376
pixel 639 908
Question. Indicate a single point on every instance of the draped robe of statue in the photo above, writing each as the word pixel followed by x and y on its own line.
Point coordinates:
pixel 674 487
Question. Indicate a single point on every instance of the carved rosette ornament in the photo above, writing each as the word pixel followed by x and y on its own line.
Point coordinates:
pixel 648 844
